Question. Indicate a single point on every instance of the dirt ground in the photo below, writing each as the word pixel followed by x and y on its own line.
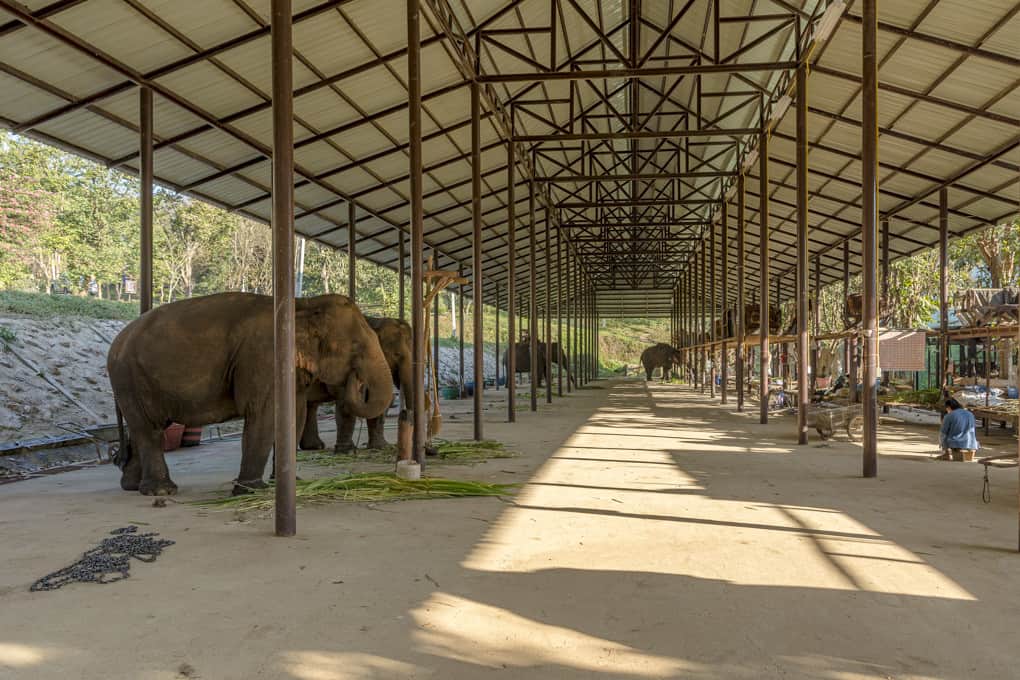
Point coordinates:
pixel 658 535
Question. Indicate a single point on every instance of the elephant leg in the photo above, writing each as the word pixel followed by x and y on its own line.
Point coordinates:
pixel 345 423
pixel 131 474
pixel 256 444
pixel 376 438
pixel 310 439
pixel 148 443
pixel 648 374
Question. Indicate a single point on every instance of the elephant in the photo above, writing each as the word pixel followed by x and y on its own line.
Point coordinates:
pixel 206 360
pixel 522 355
pixel 660 355
pixel 395 339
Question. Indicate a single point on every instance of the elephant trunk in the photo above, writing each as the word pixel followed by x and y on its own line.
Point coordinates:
pixel 369 387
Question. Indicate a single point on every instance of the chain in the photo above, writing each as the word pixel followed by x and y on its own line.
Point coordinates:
pixel 986 490
pixel 109 562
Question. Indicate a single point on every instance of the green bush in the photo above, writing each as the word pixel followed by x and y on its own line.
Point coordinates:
pixel 42 305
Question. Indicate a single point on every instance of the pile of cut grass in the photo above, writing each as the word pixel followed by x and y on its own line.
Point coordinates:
pixel 370 487
pixel 448 452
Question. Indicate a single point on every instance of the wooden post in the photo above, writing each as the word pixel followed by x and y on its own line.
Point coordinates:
pixel 418 310
pixel 724 350
pixel 477 283
pixel 533 299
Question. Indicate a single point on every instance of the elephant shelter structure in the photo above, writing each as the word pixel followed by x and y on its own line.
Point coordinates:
pixel 616 158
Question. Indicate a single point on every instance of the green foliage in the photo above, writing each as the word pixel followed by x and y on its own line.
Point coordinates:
pixel 42 305
pixel 7 334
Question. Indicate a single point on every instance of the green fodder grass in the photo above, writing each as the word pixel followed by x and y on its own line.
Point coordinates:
pixel 363 488
pixel 45 306
pixel 448 452
pixel 930 397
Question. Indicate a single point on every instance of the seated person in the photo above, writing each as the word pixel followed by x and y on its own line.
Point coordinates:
pixel 957 433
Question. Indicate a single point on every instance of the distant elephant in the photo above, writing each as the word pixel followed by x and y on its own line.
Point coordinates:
pixel 395 339
pixel 209 359
pixel 522 354
pixel 660 355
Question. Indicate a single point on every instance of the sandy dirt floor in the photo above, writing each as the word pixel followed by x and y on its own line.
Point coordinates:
pixel 658 535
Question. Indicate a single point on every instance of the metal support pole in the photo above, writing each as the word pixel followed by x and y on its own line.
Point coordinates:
pixel 497 310
pixel 712 310
pixel 533 300
pixel 458 299
pixel 741 304
pixel 816 323
pixel 284 382
pixel 869 231
pixel 417 229
pixel 352 256
pixel 548 307
pixel 569 347
pixel 435 319
pixel 559 313
pixel 702 299
pixel 146 179
pixel 850 347
pixel 763 256
pixel 476 262
pixel 724 349
pixel 511 289
pixel 944 290
pixel 401 276
pixel 803 336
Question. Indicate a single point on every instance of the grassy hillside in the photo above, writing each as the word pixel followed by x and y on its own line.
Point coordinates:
pixel 48 306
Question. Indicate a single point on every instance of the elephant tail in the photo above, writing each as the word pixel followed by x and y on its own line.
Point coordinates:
pixel 123 455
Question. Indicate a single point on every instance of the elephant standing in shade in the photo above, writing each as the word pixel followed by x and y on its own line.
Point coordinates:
pixel 522 354
pixel 395 340
pixel 210 359
pixel 661 356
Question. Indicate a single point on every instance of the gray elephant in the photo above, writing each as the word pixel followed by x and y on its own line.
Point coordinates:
pixel 395 340
pixel 660 355
pixel 206 360
pixel 522 354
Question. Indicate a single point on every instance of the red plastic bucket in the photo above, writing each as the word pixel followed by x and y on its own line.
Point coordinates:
pixel 192 436
pixel 172 437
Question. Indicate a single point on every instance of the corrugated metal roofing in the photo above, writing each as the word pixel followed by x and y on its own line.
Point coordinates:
pixel 949 76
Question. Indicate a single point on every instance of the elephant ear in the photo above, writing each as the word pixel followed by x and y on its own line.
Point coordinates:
pixel 307 339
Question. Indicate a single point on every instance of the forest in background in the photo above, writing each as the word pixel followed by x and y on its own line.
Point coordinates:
pixel 67 223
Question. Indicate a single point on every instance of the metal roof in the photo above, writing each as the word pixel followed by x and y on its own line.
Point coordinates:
pixel 949 107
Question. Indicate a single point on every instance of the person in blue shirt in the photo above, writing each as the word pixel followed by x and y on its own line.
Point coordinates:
pixel 957 433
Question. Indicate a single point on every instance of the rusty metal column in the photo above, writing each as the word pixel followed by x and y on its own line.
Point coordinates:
pixel 849 344
pixel 476 262
pixel 547 369
pixel 724 348
pixel 763 255
pixel 459 296
pixel 511 288
pixel 401 276
pixel 559 314
pixel 284 383
pixel 869 231
pixel 145 167
pixel 352 257
pixel 702 299
pixel 738 325
pixel 803 336
pixel 496 308
pixel 711 312
pixel 816 323
pixel 944 290
pixel 533 300
pixel 417 229
pixel 884 293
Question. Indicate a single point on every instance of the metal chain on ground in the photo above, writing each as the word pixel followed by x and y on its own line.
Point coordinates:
pixel 986 491
pixel 111 557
